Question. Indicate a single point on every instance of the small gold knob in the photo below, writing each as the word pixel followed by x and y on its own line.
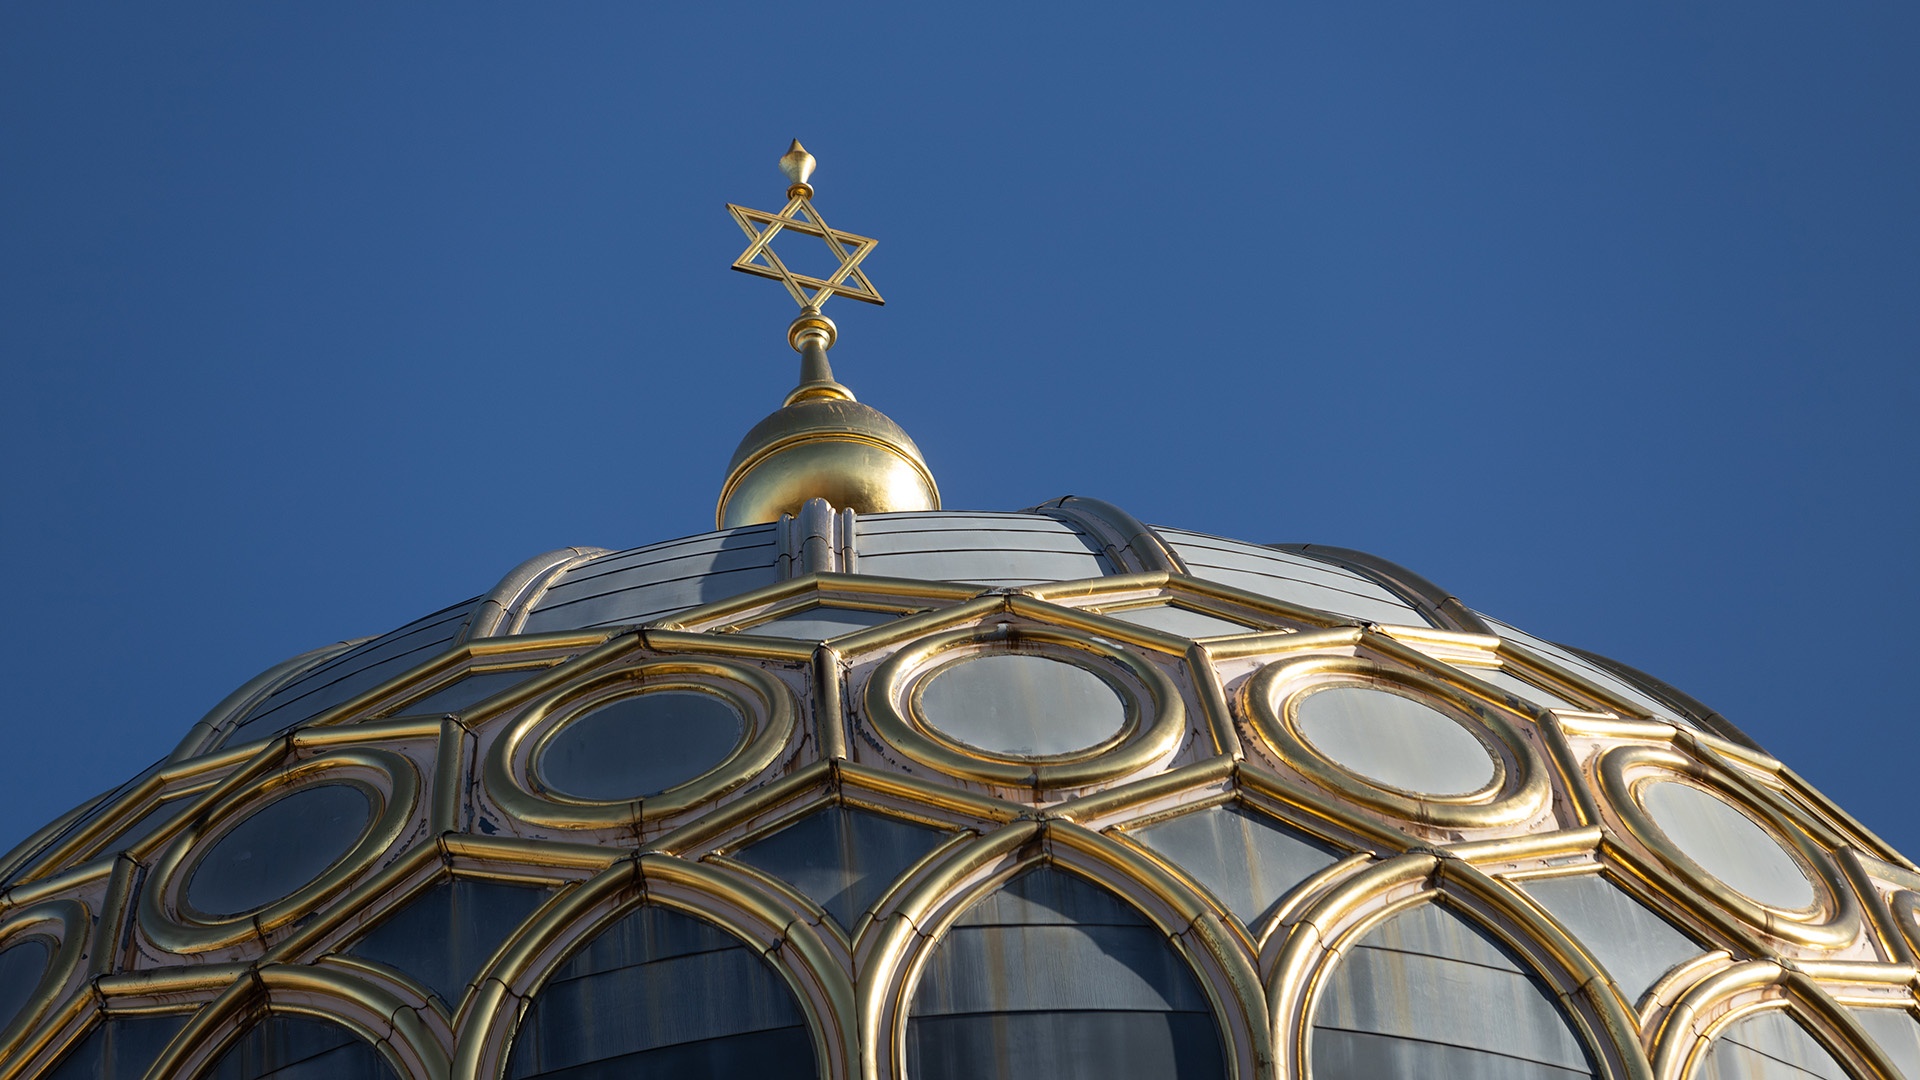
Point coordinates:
pixel 797 165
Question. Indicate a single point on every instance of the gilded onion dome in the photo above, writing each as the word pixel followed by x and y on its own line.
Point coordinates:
pixel 860 787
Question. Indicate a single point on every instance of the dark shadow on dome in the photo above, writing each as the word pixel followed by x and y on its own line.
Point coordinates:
pixel 841 858
pixel 443 937
pixel 120 1047
pixel 297 1048
pixel 1054 978
pixel 661 993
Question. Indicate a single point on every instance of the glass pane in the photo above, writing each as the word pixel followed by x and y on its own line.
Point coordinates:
pixel 120 1049
pixel 1727 844
pixel 443 938
pixel 22 965
pixel 821 623
pixel 842 859
pixel 661 993
pixel 1898 1035
pixel 297 1048
pixel 278 850
pixel 1022 706
pixel 1055 978
pixel 1428 994
pixel 1247 860
pixel 1631 942
pixel 1769 1046
pixel 641 745
pixel 1394 740
pixel 471 690
pixel 1169 619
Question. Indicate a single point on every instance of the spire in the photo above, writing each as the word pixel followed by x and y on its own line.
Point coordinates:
pixel 821 443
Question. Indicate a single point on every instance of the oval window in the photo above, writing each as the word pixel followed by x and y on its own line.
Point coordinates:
pixel 279 849
pixel 1394 740
pixel 1728 844
pixel 639 745
pixel 1018 705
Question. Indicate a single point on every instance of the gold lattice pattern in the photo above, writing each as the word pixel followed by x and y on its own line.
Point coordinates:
pixel 853 722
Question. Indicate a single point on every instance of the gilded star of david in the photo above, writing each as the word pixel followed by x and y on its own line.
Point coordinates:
pixel 759 258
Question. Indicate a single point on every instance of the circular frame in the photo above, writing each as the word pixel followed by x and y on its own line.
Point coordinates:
pixel 392 785
pixel 1831 922
pixel 1156 717
pixel 1518 790
pixel 764 702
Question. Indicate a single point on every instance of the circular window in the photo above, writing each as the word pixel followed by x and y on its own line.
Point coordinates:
pixel 640 742
pixel 1018 705
pixel 1728 844
pixel 1399 741
pixel 1753 855
pixel 636 746
pixel 1025 706
pixel 276 848
pixel 1394 740
pixel 279 849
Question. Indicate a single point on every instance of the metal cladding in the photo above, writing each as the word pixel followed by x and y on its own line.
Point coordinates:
pixel 934 794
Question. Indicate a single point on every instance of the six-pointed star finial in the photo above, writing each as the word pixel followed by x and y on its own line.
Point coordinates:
pixel 799 216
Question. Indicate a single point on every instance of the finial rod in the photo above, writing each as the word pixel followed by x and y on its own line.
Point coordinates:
pixel 811 335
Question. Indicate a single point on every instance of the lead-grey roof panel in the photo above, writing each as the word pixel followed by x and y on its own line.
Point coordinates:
pixel 1592 671
pixel 655 581
pixel 981 548
pixel 354 672
pixel 1282 575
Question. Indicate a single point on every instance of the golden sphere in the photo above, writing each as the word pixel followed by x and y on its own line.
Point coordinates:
pixel 824 447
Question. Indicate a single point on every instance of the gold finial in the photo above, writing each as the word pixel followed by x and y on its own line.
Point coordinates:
pixel 821 443
pixel 797 164
pixel 799 216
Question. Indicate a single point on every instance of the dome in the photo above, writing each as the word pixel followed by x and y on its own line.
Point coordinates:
pixel 953 793
pixel 858 786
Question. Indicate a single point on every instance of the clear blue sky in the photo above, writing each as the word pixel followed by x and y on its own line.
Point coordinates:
pixel 315 318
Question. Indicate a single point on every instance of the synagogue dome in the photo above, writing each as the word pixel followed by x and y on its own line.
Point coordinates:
pixel 952 793
pixel 858 786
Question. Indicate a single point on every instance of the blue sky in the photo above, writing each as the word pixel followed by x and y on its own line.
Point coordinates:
pixel 314 319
